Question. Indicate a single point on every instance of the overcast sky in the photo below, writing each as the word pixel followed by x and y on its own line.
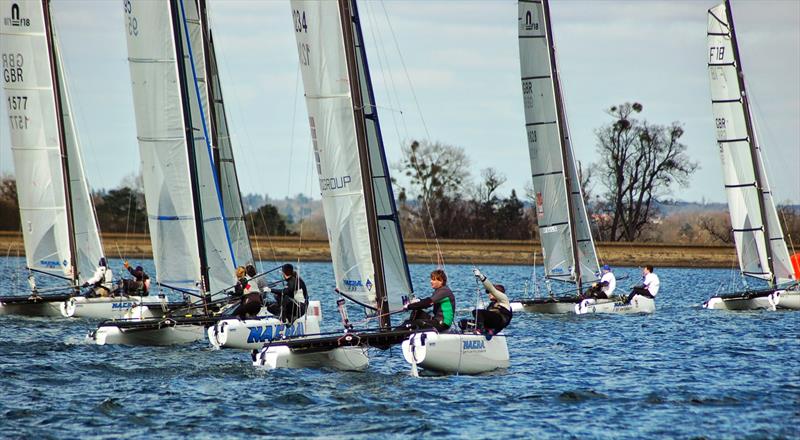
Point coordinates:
pixel 461 59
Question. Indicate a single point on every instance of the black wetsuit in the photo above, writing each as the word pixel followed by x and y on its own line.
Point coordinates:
pixel 444 310
pixel 137 284
pixel 285 305
pixel 494 317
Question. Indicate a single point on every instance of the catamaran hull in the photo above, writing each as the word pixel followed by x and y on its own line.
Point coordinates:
pixel 251 334
pixel 780 299
pixel 547 307
pixel 638 304
pixel 456 353
pixel 100 308
pixel 41 308
pixel 179 334
pixel 342 358
pixel 790 300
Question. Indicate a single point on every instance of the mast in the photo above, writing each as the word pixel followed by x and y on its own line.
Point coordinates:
pixel 563 143
pixel 212 71
pixel 62 144
pixel 190 148
pixel 754 150
pixel 347 13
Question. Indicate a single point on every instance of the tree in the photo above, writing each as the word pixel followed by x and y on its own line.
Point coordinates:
pixel 266 220
pixel 9 206
pixel 121 210
pixel 435 170
pixel 639 162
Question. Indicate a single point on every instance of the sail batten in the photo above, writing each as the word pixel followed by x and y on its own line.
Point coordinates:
pixel 757 232
pixel 565 234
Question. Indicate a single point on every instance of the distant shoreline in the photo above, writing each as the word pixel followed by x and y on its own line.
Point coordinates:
pixel 503 252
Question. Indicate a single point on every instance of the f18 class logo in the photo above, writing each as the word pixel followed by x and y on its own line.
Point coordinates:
pixel 15 19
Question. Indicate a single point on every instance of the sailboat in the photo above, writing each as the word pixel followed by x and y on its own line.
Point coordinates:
pixel 566 238
pixel 191 191
pixel 57 214
pixel 760 244
pixel 367 249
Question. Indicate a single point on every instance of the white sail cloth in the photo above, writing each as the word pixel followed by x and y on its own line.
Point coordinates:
pixel 327 83
pixel 167 166
pixel 738 163
pixel 548 158
pixel 34 120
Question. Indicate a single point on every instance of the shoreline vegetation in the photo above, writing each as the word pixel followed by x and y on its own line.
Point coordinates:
pixel 503 252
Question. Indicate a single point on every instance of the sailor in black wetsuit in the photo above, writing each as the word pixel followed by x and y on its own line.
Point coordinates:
pixel 443 302
pixel 292 301
pixel 496 316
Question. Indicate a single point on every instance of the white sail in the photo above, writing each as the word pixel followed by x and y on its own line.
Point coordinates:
pixel 88 248
pixel 220 255
pixel 547 156
pixel 327 83
pixel 35 137
pixel 228 180
pixel 162 143
pixel 738 163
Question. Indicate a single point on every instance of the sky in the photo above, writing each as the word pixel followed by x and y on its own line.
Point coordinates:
pixel 448 71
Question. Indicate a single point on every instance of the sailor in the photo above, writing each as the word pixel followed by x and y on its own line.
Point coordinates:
pixel 241 282
pixel 443 302
pixel 101 280
pixel 260 283
pixel 496 316
pixel 139 285
pixel 292 301
pixel 649 287
pixel 606 286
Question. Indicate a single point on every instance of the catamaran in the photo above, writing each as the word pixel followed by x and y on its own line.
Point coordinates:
pixel 367 249
pixel 760 244
pixel 57 214
pixel 193 202
pixel 566 238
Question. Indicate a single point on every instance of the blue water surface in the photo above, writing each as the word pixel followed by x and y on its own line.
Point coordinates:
pixel 682 372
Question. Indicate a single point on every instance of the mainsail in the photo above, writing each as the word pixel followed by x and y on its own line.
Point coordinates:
pixel 367 249
pixel 58 220
pixel 757 232
pixel 563 224
pixel 191 241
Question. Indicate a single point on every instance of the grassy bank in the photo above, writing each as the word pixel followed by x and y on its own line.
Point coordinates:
pixel 134 246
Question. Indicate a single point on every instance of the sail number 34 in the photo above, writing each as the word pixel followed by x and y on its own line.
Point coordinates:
pixel 300 26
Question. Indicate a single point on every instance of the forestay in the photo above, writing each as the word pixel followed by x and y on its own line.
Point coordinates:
pixel 36 142
pixel 327 83
pixel 549 153
pixel 742 164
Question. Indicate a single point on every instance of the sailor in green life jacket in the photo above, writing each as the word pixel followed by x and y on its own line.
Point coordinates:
pixel 443 302
pixel 496 316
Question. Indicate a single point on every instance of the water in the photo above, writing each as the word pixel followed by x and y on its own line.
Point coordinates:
pixel 682 372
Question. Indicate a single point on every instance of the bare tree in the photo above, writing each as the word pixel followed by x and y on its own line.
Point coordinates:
pixel 435 170
pixel 492 180
pixel 717 227
pixel 639 162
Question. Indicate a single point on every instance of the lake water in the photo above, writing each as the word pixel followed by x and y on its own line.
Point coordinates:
pixel 682 372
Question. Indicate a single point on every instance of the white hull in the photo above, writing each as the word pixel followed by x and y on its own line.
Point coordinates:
pixel 554 307
pixel 251 334
pixel 790 299
pixel 456 353
pixel 100 308
pixel 638 304
pixel 780 299
pixel 342 358
pixel 179 334
pixel 44 308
